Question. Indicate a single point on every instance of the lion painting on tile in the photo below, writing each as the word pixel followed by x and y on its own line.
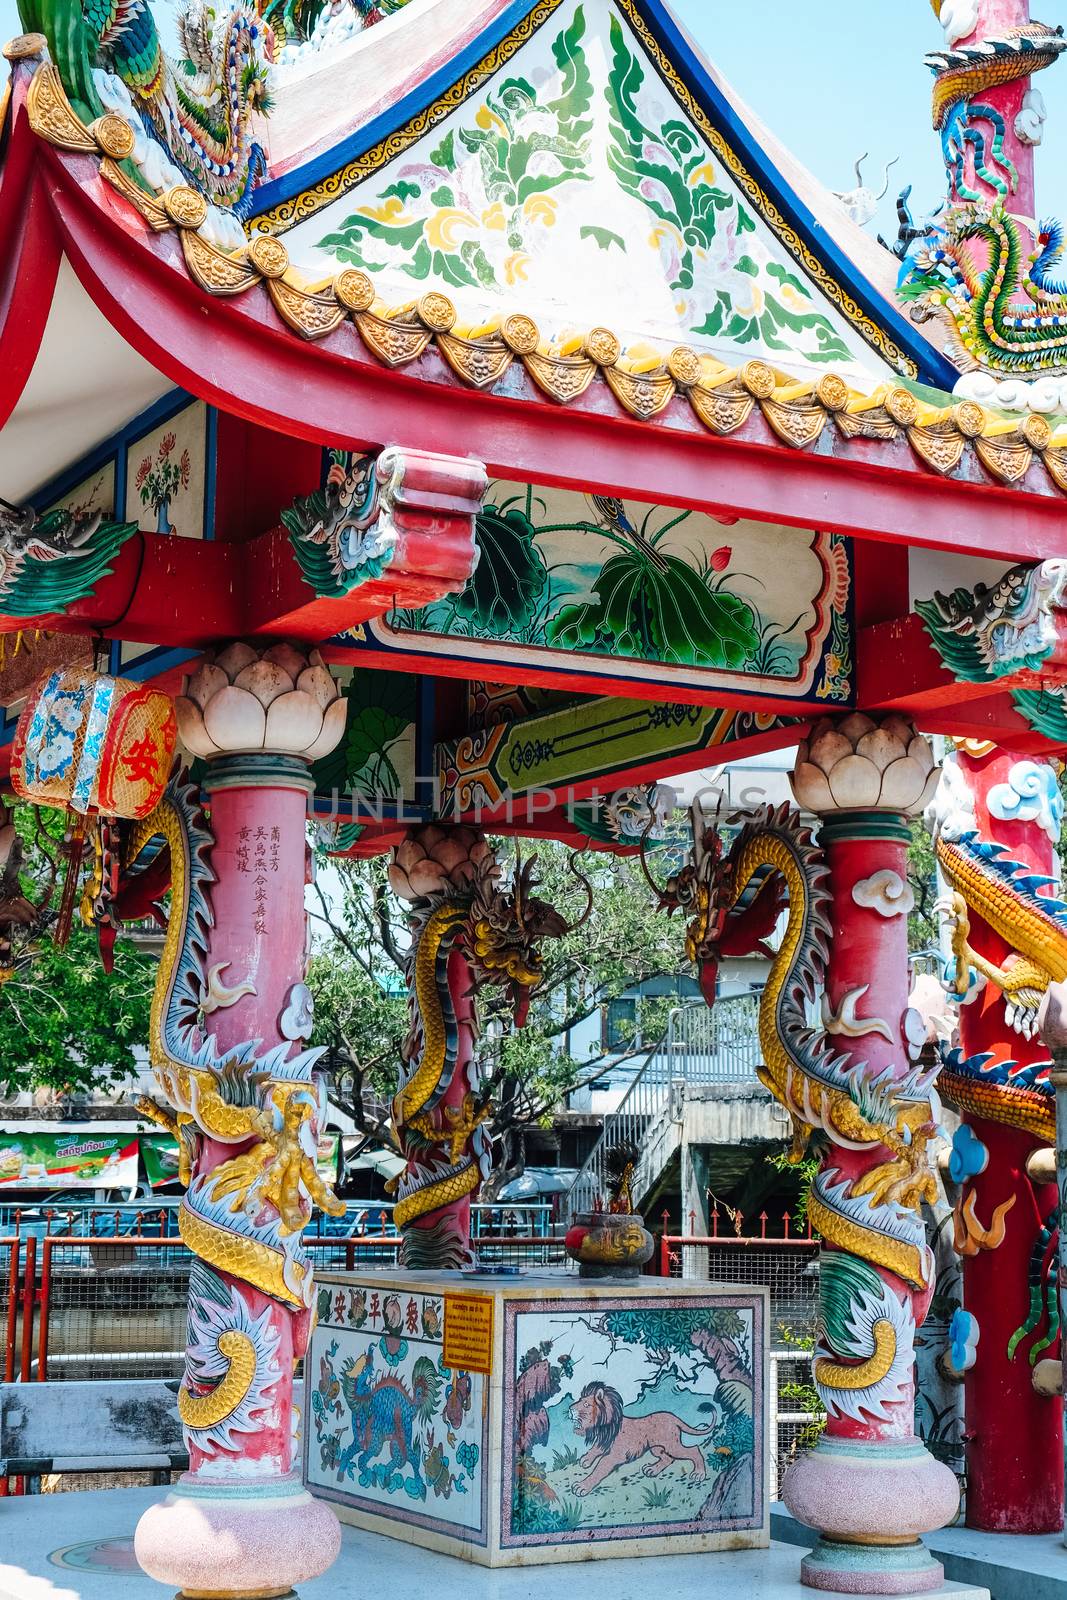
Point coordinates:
pixel 614 1439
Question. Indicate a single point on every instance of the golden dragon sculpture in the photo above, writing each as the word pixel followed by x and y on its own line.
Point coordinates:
pixel 242 1217
pixel 983 880
pixel 733 899
pixel 466 933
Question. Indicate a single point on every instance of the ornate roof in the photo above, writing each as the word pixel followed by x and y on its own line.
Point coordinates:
pixel 503 179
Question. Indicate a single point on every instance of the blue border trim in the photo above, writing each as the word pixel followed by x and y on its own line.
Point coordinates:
pixel 933 368
pixel 363 139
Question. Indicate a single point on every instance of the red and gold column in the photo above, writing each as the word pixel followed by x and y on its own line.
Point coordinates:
pixel 870 1487
pixel 997 818
pixel 230 1021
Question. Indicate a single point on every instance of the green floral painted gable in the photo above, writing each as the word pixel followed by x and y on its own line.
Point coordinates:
pixel 700 227
pixel 523 150
pixel 574 186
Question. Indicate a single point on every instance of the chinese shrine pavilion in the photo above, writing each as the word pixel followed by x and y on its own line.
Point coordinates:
pixel 450 417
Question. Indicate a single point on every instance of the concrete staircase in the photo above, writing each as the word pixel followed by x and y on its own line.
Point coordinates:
pixel 703 1046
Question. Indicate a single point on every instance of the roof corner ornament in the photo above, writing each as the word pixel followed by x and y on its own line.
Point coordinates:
pixel 861 203
pixel 408 515
pixel 49 560
pixel 192 120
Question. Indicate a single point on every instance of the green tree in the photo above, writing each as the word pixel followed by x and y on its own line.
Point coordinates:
pixel 65 1024
pixel 923 925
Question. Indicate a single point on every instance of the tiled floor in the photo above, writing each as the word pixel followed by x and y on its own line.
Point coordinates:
pixel 79 1547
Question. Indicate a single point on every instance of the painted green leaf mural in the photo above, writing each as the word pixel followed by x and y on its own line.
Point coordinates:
pixel 660 608
pixel 381 708
pixel 565 578
pixel 525 148
pixel 670 171
pixel 510 578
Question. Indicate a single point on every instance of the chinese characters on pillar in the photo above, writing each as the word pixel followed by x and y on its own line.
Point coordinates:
pixel 259 852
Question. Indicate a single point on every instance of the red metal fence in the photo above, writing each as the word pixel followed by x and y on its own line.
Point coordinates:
pixel 100 1306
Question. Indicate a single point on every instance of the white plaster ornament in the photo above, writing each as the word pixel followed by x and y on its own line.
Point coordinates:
pixel 885 892
pixel 1030 794
pixel 281 699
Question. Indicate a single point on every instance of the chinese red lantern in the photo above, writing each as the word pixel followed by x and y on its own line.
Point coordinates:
pixel 93 744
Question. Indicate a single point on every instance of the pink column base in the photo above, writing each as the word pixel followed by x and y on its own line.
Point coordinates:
pixel 856 1492
pixel 848 1490
pixel 871 1573
pixel 252 1543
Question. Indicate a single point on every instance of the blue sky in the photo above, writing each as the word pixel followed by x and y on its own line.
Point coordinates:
pixel 833 80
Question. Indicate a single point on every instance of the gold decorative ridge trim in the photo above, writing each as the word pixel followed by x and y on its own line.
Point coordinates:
pixel 643 380
pixel 288 213
pixel 285 215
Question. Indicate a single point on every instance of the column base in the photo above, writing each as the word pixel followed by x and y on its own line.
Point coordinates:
pixel 871 1499
pixel 245 1540
pixel 224 1594
pixel 849 1568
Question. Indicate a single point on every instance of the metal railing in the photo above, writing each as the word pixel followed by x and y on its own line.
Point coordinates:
pixel 519 1218
pixel 703 1045
pixel 105 1306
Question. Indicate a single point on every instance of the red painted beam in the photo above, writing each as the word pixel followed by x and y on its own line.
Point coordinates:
pixel 994 718
pixel 278 601
pixel 898 669
pixel 195 592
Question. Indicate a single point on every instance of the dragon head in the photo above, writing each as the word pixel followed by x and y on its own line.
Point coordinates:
pixel 507 927
pixel 719 925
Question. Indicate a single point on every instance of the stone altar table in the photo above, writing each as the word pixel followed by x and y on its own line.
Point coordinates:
pixel 527 1419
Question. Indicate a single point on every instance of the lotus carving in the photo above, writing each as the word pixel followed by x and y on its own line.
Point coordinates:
pixel 280 699
pixel 859 764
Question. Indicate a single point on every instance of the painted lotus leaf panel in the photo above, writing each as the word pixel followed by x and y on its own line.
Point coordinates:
pixel 579 185
pixel 377 754
pixel 646 594
pixel 637 1420
pixel 391 1429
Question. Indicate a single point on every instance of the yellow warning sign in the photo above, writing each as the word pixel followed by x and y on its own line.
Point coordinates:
pixel 468 1342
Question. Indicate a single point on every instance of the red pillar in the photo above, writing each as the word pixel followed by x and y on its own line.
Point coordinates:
pixel 230 1022
pixel 1014 1434
pixel 870 1486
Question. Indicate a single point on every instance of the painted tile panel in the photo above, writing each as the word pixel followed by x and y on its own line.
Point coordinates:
pixel 391 1429
pixel 166 475
pixel 632 1419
